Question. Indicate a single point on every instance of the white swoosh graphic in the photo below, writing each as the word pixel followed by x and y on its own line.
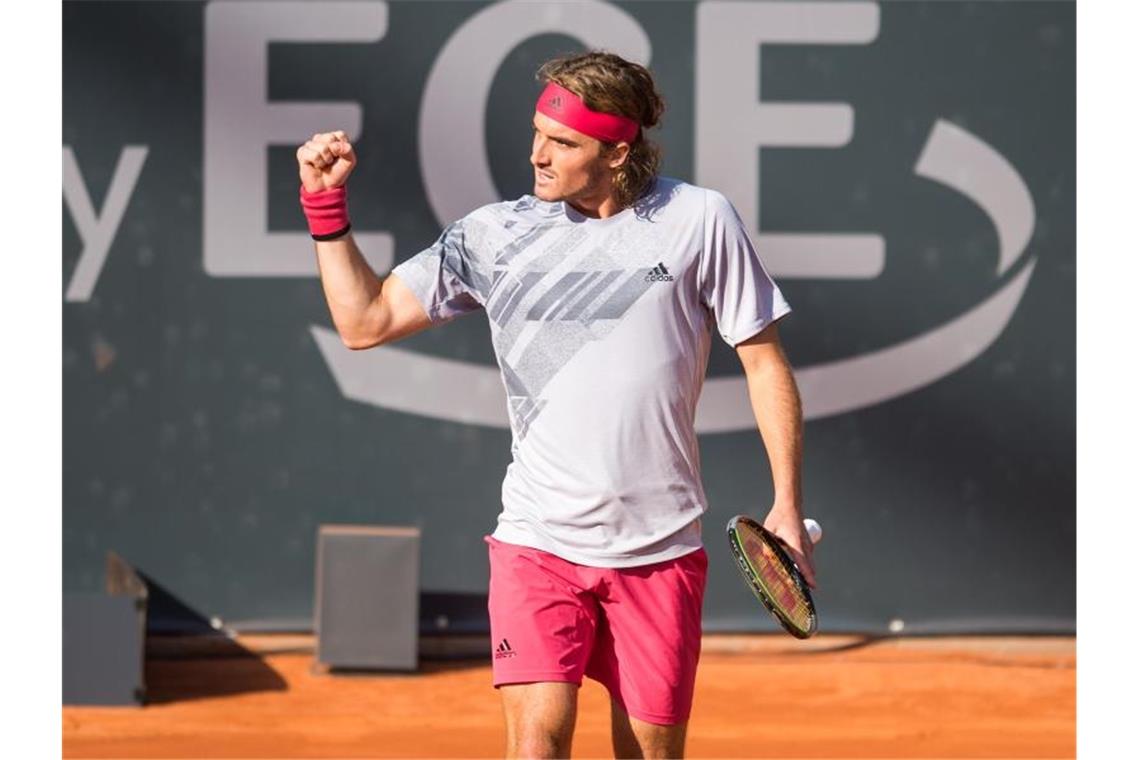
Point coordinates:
pixel 461 391
pixel 848 384
pixel 961 161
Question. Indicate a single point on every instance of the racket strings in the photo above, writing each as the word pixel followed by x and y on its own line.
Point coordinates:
pixel 779 582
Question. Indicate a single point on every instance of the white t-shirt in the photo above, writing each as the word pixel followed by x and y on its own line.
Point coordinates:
pixel 601 328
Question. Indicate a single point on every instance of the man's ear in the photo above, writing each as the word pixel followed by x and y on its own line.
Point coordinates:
pixel 618 155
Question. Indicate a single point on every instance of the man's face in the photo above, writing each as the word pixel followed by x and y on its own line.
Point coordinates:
pixel 568 165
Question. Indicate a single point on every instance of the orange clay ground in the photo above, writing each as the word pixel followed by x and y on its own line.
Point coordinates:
pixel 756 696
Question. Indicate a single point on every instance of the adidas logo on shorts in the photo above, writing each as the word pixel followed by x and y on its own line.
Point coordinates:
pixel 659 274
pixel 504 650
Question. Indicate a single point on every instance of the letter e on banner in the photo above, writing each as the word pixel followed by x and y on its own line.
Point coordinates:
pixel 731 123
pixel 241 124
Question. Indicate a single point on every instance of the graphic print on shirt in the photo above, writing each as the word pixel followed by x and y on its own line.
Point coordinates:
pixel 549 299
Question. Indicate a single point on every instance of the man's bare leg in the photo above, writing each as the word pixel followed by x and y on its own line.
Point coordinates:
pixel 540 718
pixel 635 738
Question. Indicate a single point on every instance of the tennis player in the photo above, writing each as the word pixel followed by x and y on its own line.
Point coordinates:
pixel 601 289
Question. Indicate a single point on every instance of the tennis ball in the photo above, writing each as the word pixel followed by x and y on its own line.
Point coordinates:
pixel 815 532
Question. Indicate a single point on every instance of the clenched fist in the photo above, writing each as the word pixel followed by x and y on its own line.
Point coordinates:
pixel 325 161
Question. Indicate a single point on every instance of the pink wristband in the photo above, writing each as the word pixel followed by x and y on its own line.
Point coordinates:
pixel 327 212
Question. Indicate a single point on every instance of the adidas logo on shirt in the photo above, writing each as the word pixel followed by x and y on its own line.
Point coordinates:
pixel 504 650
pixel 659 274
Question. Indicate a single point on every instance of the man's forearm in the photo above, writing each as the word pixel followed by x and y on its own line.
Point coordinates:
pixel 779 416
pixel 351 287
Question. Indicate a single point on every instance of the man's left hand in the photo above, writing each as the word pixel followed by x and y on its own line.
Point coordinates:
pixel 788 526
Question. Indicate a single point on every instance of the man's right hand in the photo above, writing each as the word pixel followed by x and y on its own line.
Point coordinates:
pixel 325 161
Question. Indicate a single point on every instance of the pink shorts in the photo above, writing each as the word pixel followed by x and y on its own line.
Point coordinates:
pixel 636 630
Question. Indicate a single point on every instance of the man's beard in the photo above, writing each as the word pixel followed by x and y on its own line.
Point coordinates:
pixel 590 191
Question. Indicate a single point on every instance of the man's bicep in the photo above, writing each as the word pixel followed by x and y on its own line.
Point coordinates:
pixel 401 313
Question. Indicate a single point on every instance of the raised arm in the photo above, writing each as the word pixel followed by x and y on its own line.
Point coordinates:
pixel 366 310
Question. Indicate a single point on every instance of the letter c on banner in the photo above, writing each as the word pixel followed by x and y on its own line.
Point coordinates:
pixel 452 138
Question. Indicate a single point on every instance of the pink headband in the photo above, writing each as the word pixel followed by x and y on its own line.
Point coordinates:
pixel 567 108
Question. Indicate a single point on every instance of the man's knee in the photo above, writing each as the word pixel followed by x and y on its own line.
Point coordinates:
pixel 540 747
pixel 540 718
pixel 541 736
pixel 633 738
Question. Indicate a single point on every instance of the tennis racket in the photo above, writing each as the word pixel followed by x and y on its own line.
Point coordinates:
pixel 764 562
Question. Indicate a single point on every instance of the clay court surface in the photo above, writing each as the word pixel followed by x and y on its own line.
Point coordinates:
pixel 758 696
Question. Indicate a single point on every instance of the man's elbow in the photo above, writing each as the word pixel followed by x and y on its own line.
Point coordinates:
pixel 361 341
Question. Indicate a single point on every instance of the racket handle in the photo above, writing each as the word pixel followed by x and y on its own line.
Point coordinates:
pixel 814 530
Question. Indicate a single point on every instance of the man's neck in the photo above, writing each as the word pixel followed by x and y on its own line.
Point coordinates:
pixel 598 208
pixel 601 204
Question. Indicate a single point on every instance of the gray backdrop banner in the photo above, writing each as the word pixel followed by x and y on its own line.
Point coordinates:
pixel 907 170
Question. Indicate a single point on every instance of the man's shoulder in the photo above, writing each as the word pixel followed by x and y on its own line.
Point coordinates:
pixel 670 189
pixel 524 208
pixel 679 198
pixel 693 193
pixel 712 203
pixel 495 225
